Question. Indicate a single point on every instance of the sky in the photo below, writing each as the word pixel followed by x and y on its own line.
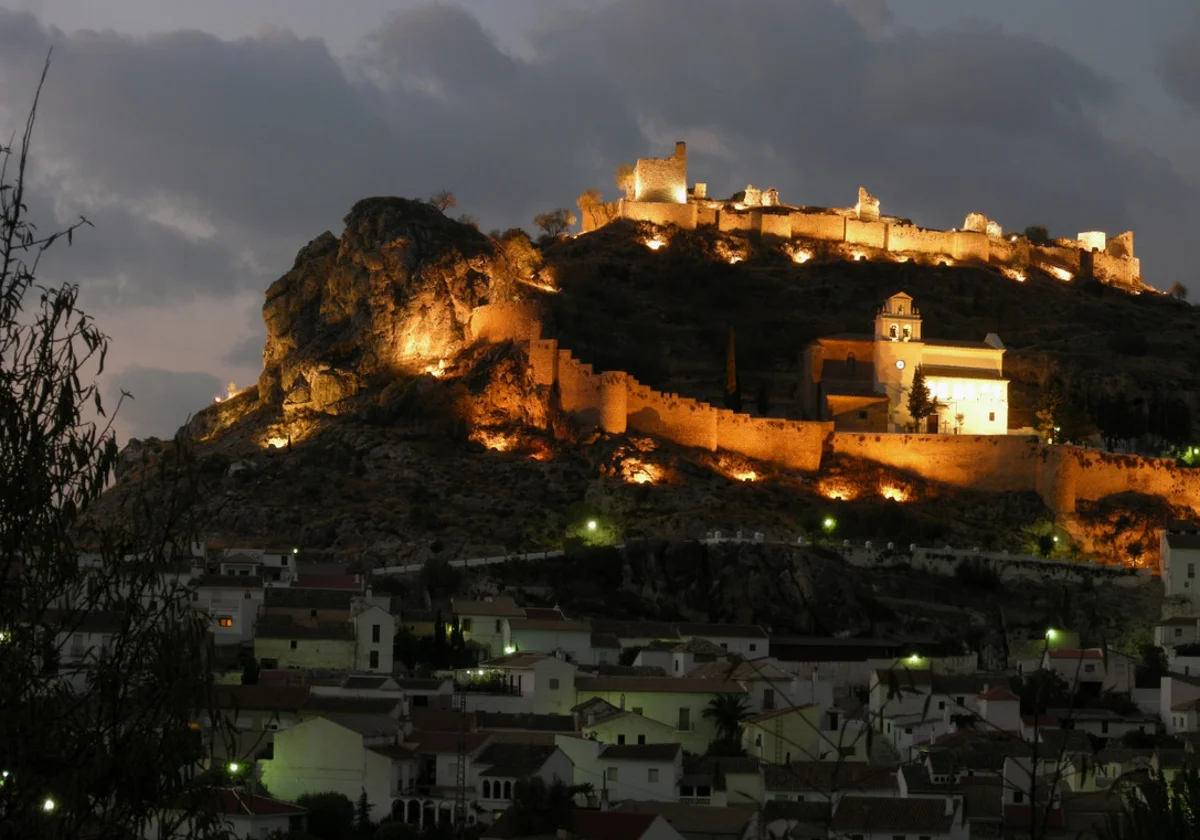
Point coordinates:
pixel 206 143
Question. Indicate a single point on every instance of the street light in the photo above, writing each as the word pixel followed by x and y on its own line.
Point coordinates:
pixel 829 523
pixel 49 805
pixel 915 659
pixel 234 767
pixel 1051 634
pixel 591 525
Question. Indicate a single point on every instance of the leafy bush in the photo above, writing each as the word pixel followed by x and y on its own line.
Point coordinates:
pixel 330 815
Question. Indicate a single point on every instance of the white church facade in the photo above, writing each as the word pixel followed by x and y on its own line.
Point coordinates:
pixel 862 382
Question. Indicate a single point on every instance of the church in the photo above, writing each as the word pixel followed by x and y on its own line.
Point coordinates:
pixel 862 382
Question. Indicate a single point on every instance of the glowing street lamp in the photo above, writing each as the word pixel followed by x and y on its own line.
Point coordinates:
pixel 829 523
pixel 915 659
pixel 509 649
pixel 49 805
pixel 591 525
pixel 234 767
pixel 1051 635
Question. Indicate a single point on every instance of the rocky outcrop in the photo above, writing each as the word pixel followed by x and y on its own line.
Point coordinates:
pixel 393 294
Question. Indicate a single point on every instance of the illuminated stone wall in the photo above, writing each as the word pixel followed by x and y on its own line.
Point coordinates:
pixel 662 179
pixel 516 320
pixel 660 213
pixel 827 226
pixel 915 240
pixel 873 234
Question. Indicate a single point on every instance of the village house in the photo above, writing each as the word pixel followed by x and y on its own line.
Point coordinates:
pixel 500 766
pixel 276 566
pixel 827 781
pixel 430 800
pixel 862 382
pixel 241 813
pixel 626 771
pixel 549 634
pixel 343 754
pixel 1177 631
pixel 875 818
pixel 520 682
pixel 232 604
pixel 784 734
pixel 699 822
pixel 251 715
pixel 721 781
pixel 601 721
pixel 678 702
pixel 1179 548
pixel 483 622
pixel 768 686
pixel 357 638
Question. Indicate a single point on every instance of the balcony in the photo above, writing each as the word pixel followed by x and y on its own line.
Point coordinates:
pixel 496 687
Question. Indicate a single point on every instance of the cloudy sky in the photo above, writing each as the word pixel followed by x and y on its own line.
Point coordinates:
pixel 208 141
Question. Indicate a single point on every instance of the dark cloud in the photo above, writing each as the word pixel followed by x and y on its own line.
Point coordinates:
pixel 206 163
pixel 160 401
pixel 1179 68
pixel 248 352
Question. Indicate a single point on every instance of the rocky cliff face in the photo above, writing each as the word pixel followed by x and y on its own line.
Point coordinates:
pixel 393 295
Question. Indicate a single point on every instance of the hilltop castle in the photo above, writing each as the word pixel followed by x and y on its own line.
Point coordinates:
pixel 656 191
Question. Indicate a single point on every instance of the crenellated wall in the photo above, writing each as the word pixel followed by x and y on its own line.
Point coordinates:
pixel 617 402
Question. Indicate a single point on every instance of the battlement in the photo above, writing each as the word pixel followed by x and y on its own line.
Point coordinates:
pixel 658 193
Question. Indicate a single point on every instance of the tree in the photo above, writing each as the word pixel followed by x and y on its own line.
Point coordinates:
pixel 733 390
pixel 1049 405
pixel 594 210
pixel 629 655
pixel 1037 234
pixel 626 179
pixel 727 711
pixel 762 399
pixel 330 814
pixel 468 219
pixel 363 826
pixel 1179 291
pixel 250 671
pixel 541 809
pixel 1045 545
pixel 443 200
pixel 113 743
pixel 1158 810
pixel 921 403
pixel 555 223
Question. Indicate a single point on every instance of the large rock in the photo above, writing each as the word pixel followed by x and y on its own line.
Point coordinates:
pixel 395 292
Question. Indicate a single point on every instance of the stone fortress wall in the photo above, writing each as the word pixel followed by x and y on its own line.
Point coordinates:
pixel 619 403
pixel 658 193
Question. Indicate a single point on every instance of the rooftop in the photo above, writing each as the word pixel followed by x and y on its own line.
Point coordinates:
pixel 774 713
pixel 641 752
pixel 665 685
pixel 229 582
pixel 325 599
pixel 284 627
pixel 513 761
pixel 352 583
pixel 260 698
pixel 828 776
pixel 502 606
pixel 1183 542
pixel 886 815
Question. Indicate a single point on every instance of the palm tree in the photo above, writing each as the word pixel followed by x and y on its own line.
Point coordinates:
pixel 727 711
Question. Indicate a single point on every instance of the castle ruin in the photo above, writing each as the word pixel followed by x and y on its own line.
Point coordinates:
pixel 658 193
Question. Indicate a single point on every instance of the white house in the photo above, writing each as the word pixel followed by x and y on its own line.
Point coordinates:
pixel 375 631
pixel 1180 630
pixel 520 682
pixel 1179 546
pixel 232 604
pixel 500 766
pixel 547 635
pixel 876 818
pixel 630 771
pixel 1175 696
pixel 345 754
pixel 483 622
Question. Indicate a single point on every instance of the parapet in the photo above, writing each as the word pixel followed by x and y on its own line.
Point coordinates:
pixel 1092 240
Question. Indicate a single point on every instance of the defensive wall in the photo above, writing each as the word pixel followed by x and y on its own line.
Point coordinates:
pixel 658 193
pixel 619 403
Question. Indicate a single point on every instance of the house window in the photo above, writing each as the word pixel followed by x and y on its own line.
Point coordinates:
pixel 725 645
pixel 862 415
pixel 611 774
pixel 758 739
pixel 1104 726
pixel 652 774
pixel 960 700
pixel 676 666
pixel 685 719
pixel 375 633
pixel 851 364
pixel 893 332
pixel 941 705
pixel 507 789
pixel 768 699
pixel 499 628
pixel 907 332
pixel 1178 632
pixel 641 739
pixel 195 596
pixel 1018 797
pixel 753 647
pixel 620 739
pixel 293 644
pixel 554 683
pixel 1090 669
pixel 466 625
pixel 374 660
pixel 247 595
pixel 487 789
pixel 991 417
pixel 312 614
pixel 225 621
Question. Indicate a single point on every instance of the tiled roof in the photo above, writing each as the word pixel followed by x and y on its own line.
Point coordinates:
pixel 230 582
pixel 1184 542
pixel 774 713
pixel 904 678
pixel 670 685
pixel 1000 692
pixel 641 752
pixel 1075 653
pixel 559 625
pixel 365 681
pixel 284 627
pixel 335 704
pixel 1179 621
pixel 512 761
pixel 502 606
pixel 525 721
pixel 544 614
pixel 636 629
pixel 695 820
pixel 885 815
pixel 515 660
pixel 828 776
pixel 747 669
pixel 608 825
pixel 420 683
pixel 607 641
pixel 954 342
pixel 730 631
pixel 702 647
pixel 325 599
pixel 369 726
pixel 434 743
pixel 353 583
pixel 429 719
pixel 260 698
